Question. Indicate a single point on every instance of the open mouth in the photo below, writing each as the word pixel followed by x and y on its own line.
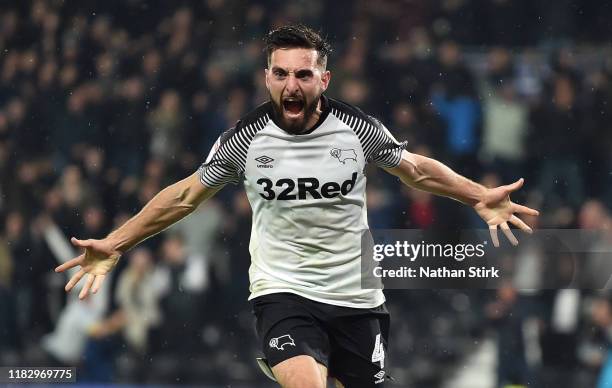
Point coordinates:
pixel 293 106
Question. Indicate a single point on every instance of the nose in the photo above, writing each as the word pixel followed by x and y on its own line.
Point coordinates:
pixel 292 83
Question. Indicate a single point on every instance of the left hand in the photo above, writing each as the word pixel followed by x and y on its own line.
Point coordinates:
pixel 497 209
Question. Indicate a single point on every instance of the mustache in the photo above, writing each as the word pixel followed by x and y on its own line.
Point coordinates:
pixel 293 96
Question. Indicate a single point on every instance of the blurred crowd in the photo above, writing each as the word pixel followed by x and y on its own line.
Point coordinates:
pixel 103 104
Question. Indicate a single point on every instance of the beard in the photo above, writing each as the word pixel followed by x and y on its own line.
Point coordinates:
pixel 295 126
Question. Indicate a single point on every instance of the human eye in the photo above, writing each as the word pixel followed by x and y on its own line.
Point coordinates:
pixel 279 73
pixel 304 75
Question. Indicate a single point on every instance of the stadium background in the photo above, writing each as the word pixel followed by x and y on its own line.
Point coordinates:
pixel 103 103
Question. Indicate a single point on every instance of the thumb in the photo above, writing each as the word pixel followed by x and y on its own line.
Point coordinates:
pixel 515 186
pixel 81 243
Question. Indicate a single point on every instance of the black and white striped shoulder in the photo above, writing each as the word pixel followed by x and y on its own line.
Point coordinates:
pixel 227 159
pixel 378 144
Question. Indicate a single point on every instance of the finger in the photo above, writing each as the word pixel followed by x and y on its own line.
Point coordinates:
pixel 494 238
pixel 520 224
pixel 74 280
pixel 87 286
pixel 81 243
pixel 506 229
pixel 525 210
pixel 515 186
pixel 69 264
pixel 97 283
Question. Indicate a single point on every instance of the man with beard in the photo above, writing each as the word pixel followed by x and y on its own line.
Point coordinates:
pixel 301 157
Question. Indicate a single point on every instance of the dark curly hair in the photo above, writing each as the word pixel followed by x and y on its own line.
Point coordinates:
pixel 300 36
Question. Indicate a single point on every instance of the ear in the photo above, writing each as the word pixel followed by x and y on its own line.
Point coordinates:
pixel 325 78
pixel 267 72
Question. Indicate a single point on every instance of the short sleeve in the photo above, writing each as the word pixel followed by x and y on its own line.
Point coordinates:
pixel 384 149
pixel 220 166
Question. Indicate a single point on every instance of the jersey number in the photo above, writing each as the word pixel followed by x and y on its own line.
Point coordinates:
pixel 378 355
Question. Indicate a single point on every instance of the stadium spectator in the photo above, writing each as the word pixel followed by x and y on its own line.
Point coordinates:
pixel 556 137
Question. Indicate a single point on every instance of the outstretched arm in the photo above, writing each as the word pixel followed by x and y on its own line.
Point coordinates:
pixel 493 205
pixel 167 207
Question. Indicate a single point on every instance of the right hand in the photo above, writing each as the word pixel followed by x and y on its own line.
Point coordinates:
pixel 99 258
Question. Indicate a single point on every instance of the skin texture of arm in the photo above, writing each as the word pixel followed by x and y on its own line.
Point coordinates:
pixel 100 256
pixel 169 206
pixel 429 175
pixel 493 205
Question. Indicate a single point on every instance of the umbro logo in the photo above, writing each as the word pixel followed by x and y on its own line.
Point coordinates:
pixel 264 161
pixel 380 377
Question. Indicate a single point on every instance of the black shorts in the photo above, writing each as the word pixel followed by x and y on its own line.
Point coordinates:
pixel 351 342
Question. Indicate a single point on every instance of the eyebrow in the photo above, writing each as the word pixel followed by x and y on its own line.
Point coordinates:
pixel 298 73
pixel 303 72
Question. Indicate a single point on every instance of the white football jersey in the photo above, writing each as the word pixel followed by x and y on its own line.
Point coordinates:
pixel 308 198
